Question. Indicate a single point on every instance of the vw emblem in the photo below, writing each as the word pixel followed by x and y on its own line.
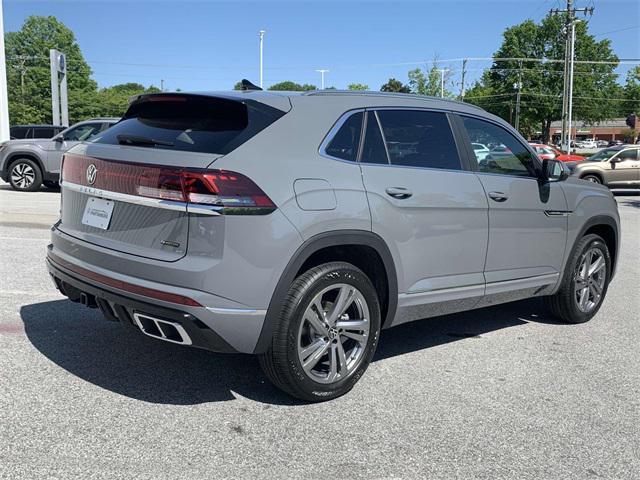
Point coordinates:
pixel 92 172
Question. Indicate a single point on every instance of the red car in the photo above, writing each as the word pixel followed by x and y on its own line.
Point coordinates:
pixel 545 152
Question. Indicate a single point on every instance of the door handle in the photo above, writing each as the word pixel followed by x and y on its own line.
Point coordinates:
pixel 399 192
pixel 498 196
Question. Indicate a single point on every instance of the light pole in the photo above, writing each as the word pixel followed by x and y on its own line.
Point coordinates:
pixel 442 70
pixel 4 101
pixel 322 71
pixel 262 32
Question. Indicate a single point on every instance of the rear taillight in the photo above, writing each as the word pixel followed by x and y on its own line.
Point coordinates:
pixel 232 192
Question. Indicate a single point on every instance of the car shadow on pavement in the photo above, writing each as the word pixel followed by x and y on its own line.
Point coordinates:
pixel 117 358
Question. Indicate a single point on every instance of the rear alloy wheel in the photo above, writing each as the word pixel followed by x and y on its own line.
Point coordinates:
pixel 592 179
pixel 25 175
pixel 326 335
pixel 585 282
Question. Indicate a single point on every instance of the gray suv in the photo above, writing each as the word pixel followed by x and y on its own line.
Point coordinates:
pixel 27 164
pixel 296 226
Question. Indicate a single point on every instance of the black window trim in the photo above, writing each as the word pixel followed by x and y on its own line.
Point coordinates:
pixel 471 156
pixel 464 162
pixel 328 138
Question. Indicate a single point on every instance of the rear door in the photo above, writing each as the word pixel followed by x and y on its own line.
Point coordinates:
pixel 429 210
pixel 527 218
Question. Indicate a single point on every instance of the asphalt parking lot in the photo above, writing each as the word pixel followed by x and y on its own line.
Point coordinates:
pixel 504 392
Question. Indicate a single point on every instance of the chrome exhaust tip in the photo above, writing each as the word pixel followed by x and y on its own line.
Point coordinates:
pixel 162 329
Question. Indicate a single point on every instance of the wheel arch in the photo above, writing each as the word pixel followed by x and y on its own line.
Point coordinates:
pixel 607 228
pixel 593 174
pixel 13 157
pixel 313 248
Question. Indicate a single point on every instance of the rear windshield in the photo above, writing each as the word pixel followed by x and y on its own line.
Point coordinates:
pixel 190 123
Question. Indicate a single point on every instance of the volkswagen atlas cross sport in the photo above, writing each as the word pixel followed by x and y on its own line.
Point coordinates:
pixel 296 226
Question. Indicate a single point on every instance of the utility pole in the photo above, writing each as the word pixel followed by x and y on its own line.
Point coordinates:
pixel 4 100
pixel 162 84
pixel 322 71
pixel 261 33
pixel 519 87
pixel 464 72
pixel 570 36
pixel 59 104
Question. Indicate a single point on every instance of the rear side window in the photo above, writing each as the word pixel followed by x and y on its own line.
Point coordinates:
pixel 419 139
pixel 190 123
pixel 373 150
pixel 18 132
pixel 46 132
pixel 346 141
pixel 631 154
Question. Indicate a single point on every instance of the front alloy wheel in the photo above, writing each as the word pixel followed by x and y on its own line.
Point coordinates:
pixel 589 280
pixel 25 175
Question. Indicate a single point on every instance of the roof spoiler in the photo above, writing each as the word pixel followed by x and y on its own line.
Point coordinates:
pixel 247 85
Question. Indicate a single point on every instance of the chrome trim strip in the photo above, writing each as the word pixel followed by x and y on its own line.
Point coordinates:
pixel 236 311
pixel 144 201
pixel 557 213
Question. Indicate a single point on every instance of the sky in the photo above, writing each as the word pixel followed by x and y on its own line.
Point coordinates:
pixel 210 45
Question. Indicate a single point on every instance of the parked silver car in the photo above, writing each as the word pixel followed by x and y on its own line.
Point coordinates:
pixel 27 164
pixel 296 226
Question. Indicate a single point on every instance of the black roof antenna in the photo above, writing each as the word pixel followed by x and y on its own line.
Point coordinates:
pixel 247 85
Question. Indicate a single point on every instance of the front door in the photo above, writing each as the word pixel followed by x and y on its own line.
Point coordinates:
pixel 527 217
pixel 431 213
pixel 624 169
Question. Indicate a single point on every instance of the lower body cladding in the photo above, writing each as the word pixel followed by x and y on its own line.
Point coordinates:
pixel 218 329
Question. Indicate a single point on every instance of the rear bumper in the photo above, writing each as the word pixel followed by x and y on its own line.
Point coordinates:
pixel 217 328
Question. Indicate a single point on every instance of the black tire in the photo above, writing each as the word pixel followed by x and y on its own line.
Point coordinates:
pixel 563 304
pixel 25 175
pixel 592 179
pixel 281 363
pixel 51 185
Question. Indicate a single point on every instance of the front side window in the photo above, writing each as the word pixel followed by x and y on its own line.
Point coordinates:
pixel 82 132
pixel 417 138
pixel 506 156
pixel 346 141
pixel 631 154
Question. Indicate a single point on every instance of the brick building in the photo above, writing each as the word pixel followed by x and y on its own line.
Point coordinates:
pixel 607 130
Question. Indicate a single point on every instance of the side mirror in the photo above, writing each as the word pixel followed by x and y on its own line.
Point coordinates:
pixel 58 138
pixel 555 170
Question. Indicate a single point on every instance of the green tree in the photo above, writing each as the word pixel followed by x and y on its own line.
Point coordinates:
pixel 631 93
pixel 28 75
pixel 542 81
pixel 358 86
pixel 394 85
pixel 238 86
pixel 292 86
pixel 430 83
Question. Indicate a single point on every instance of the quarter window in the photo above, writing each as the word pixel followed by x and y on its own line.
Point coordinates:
pixel 346 141
pixel 506 155
pixel 417 138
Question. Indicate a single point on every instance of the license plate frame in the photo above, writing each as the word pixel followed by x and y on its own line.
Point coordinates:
pixel 98 213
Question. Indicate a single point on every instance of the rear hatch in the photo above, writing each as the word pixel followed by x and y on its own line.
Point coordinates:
pixel 133 189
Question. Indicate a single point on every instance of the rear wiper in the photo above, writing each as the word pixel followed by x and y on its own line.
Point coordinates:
pixel 135 140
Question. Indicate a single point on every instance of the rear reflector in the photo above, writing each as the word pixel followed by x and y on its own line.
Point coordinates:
pixel 233 192
pixel 120 285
